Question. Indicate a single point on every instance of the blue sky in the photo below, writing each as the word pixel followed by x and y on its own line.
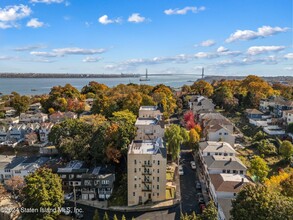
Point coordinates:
pixel 227 37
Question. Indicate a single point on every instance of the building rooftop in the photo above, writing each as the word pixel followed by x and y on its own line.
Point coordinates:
pixel 213 146
pixel 253 111
pixel 228 182
pixel 223 162
pixel 146 121
pixel 226 206
pixel 148 108
pixel 147 147
pixel 73 166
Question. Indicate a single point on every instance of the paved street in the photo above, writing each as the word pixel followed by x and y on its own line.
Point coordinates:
pixel 187 184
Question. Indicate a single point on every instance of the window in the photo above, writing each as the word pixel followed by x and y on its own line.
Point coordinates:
pixel 71 176
pixel 220 133
pixel 235 194
pixel 153 161
pixel 158 187
pixel 134 186
pixel 241 171
pixel 209 154
pixel 7 171
pixel 158 171
pixel 133 193
pixel 158 179
pixel 139 169
pixel 134 161
pixel 225 154
pixel 224 171
pixel 228 171
pixel 216 153
pixel 63 176
pixel 234 171
pixel 158 194
pixel 158 162
pixel 135 170
pixel 17 171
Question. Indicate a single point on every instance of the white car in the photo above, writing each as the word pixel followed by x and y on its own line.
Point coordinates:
pixel 180 170
pixel 192 164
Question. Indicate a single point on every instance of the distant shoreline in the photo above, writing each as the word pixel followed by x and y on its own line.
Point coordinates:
pixel 66 75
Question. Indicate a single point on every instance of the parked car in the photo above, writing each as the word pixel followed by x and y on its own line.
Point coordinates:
pixel 192 164
pixel 202 207
pixel 200 199
pixel 180 170
pixel 197 185
pixel 68 196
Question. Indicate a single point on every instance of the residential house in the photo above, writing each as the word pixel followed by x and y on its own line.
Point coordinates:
pixel 146 170
pixel 150 112
pixel 200 103
pixel 217 164
pixel 253 114
pixel 224 187
pixel 71 175
pixel 219 132
pixel 31 118
pixel 149 128
pixel 17 132
pixel 288 116
pixel 276 105
pixel 4 130
pixel 10 120
pixel 8 111
pixel 35 107
pixel 31 138
pixel 98 183
pixel 48 150
pixel 44 131
pixel 61 116
pixel 5 160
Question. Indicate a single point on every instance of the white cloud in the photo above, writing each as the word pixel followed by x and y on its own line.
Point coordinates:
pixel 222 49
pixel 35 23
pixel 201 55
pixel 261 32
pixel 290 68
pixel 10 14
pixel 43 54
pixel 77 51
pixel 68 51
pixel 105 20
pixel 207 43
pixel 46 1
pixel 91 59
pixel 6 58
pixel 136 18
pixel 255 50
pixel 289 56
pixel 28 48
pixel 183 11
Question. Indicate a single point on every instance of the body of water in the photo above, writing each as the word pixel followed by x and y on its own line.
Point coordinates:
pixel 28 86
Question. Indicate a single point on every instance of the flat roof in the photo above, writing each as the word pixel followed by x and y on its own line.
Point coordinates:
pixel 147 147
pixel 146 121
pixel 150 108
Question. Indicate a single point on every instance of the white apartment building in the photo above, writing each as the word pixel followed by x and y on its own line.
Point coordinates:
pixel 149 128
pixel 149 112
pixel 146 163
pixel 44 131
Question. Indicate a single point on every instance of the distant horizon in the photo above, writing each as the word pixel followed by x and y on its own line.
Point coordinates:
pixel 168 37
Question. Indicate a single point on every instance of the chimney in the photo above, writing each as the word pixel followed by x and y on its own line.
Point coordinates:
pixel 230 159
pixel 242 180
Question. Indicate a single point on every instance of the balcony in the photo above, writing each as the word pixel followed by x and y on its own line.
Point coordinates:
pixel 146 172
pixel 146 189
pixel 146 181
pixel 147 165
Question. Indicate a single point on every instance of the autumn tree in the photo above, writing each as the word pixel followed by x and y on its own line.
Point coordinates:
pixel 174 139
pixel 259 202
pixel 94 88
pixel 106 217
pixel 15 184
pixel 43 189
pixel 287 186
pixel 259 168
pixel 72 138
pixel 285 90
pixel 3 192
pixel 188 118
pixel 19 103
pixel 193 138
pixel 286 150
pixel 203 88
pixel 210 212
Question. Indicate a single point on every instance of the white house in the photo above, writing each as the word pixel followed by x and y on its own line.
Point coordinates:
pixel 219 133
pixel 30 118
pixel 149 128
pixel 44 131
pixel 288 116
pixel 149 112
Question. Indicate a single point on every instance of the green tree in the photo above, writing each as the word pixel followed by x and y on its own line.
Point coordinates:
pixel 19 103
pixel 174 139
pixel 202 87
pixel 184 134
pixel 96 215
pixel 266 147
pixel 43 190
pixel 259 168
pixel 260 135
pixel 106 217
pixel 287 186
pixel 290 128
pixel 210 212
pixel 259 202
pixel 286 150
pixel 72 138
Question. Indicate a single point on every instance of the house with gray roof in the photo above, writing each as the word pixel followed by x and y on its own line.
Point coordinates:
pixel 200 103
